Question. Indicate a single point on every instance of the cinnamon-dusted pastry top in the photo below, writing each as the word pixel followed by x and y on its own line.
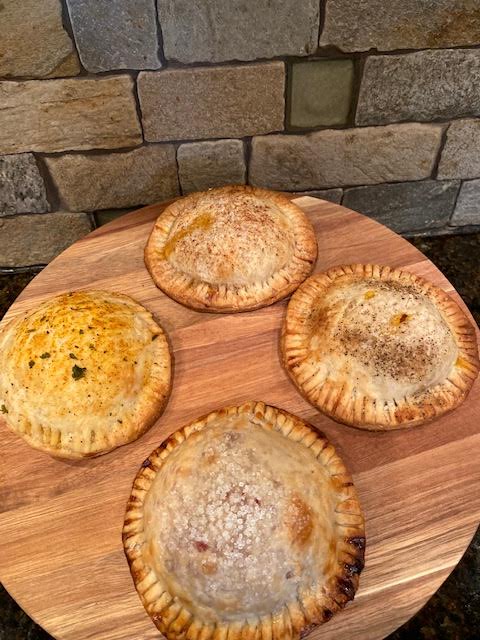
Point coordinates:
pixel 83 373
pixel 244 523
pixel 231 249
pixel 377 347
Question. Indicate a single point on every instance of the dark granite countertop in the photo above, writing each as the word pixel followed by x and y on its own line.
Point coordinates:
pixel 453 613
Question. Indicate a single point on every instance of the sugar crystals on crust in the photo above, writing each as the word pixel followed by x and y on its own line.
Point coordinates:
pixel 244 523
pixel 231 249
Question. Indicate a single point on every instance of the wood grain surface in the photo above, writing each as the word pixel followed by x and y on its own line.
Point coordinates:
pixel 61 553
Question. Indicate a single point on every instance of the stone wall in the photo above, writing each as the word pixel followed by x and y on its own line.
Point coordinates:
pixel 106 106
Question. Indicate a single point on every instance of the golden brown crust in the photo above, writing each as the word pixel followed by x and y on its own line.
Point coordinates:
pixel 83 373
pixel 175 609
pixel 231 249
pixel 422 366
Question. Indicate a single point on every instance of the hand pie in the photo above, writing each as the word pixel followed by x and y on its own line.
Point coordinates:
pixel 377 347
pixel 244 524
pixel 83 373
pixel 231 249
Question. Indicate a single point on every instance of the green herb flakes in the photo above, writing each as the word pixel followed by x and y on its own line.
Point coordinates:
pixel 45 355
pixel 81 331
pixel 4 409
pixel 78 372
pixel 73 356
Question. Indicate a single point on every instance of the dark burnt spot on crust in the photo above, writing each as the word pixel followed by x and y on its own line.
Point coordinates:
pixel 357 541
pixel 327 614
pixel 346 587
pixel 355 567
pixel 147 463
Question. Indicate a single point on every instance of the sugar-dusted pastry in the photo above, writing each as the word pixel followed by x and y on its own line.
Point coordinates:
pixel 244 524
pixel 231 249
pixel 377 347
pixel 83 373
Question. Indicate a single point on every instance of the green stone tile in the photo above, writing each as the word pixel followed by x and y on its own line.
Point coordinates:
pixel 321 93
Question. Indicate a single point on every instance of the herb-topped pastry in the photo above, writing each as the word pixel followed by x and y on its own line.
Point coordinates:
pixel 377 347
pixel 231 249
pixel 83 373
pixel 244 524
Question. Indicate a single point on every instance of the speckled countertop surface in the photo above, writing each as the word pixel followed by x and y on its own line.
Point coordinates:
pixel 453 613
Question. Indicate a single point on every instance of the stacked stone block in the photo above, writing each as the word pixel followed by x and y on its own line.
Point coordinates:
pixel 107 106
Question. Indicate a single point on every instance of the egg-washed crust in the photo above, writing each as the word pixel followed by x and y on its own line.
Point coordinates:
pixel 226 298
pixel 313 606
pixel 364 411
pixel 102 437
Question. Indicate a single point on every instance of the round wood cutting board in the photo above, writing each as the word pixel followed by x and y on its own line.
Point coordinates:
pixel 61 554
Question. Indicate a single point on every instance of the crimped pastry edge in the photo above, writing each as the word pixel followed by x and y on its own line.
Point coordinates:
pixel 363 412
pixel 202 296
pixel 296 619
pixel 156 394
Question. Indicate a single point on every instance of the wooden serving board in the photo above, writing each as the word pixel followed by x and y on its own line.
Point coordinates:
pixel 61 553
